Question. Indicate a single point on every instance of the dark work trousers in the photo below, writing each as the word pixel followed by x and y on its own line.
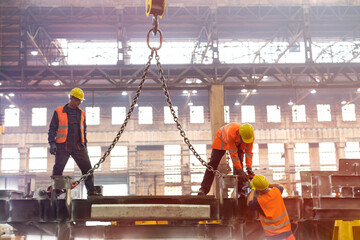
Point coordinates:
pixel 215 159
pixel 81 158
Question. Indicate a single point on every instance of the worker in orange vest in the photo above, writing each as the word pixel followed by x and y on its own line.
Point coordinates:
pixel 238 139
pixel 67 137
pixel 272 211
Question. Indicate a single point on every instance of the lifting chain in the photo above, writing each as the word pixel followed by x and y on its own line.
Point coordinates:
pixel 122 128
pixel 176 119
pixel 136 97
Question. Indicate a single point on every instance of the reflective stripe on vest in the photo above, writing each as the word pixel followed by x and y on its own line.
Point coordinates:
pixel 276 219
pixel 61 133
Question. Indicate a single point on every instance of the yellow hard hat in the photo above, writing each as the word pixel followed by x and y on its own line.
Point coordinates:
pixel 260 182
pixel 78 93
pixel 247 133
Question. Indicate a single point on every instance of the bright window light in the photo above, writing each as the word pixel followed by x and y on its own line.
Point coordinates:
pixel 115 189
pixel 327 153
pixel 172 163
pixel 324 112
pixel 94 155
pixel 196 114
pixel 348 112
pixel 70 165
pixel 298 113
pixel 197 170
pixel 145 115
pixel 12 117
pixel 278 173
pixel 168 117
pixel 301 154
pixel 273 113
pixel 248 113
pixel 118 115
pixel 172 190
pixel 275 154
pixel 91 53
pixel 119 158
pixel 352 150
pixel 92 115
pixel 10 160
pixel 38 159
pixel 39 116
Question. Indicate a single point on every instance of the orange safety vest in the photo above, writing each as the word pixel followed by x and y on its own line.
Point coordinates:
pixel 228 138
pixel 276 220
pixel 61 133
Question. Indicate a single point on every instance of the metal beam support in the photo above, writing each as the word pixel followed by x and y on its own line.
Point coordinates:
pixel 307 36
pixel 265 76
pixel 122 56
pixel 22 37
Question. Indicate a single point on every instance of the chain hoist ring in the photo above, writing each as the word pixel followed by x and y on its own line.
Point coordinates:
pixel 148 39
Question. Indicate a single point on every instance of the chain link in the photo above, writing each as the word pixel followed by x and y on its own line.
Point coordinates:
pixel 176 119
pixel 116 139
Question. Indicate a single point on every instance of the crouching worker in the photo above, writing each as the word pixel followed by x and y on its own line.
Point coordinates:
pixel 272 211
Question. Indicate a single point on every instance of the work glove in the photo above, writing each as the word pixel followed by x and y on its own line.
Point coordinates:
pixel 250 171
pixel 251 186
pixel 53 148
pixel 241 176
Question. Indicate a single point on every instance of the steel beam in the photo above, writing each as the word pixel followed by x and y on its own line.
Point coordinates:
pixel 234 76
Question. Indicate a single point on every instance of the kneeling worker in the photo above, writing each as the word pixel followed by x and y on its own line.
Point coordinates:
pixel 272 211
pixel 237 139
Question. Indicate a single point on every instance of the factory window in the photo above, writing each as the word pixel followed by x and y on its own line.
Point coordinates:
pixel 301 158
pixel 145 115
pixel 273 113
pixel 118 115
pixel 248 113
pixel 226 114
pixel 10 160
pixel 197 170
pixel 352 150
pixel 172 163
pixel 255 159
pixel 92 115
pixel 278 173
pixel 94 155
pixel 38 159
pixel 298 113
pixel 348 112
pixel 196 114
pixel 327 156
pixel 301 154
pixel 276 154
pixel 70 165
pixel 324 112
pixel 172 190
pixel 39 116
pixel 119 158
pixel 12 117
pixel 168 117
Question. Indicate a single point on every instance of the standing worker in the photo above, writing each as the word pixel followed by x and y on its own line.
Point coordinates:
pixel 67 137
pixel 272 211
pixel 237 139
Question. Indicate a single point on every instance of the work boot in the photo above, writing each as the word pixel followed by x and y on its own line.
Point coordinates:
pixel 201 192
